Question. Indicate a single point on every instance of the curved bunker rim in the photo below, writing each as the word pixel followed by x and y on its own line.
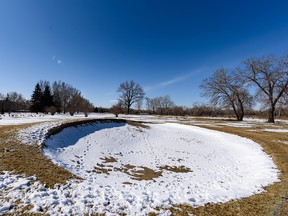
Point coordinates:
pixel 61 127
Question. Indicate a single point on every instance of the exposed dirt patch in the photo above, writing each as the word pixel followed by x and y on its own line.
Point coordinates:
pixel 137 124
pixel 176 169
pixel 140 173
pixel 135 172
pixel 109 160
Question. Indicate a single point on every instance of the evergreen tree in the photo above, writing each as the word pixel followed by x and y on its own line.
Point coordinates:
pixel 47 98
pixel 36 99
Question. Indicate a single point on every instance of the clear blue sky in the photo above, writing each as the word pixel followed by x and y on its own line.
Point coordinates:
pixel 168 47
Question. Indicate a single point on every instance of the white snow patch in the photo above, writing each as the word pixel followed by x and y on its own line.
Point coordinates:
pixel 238 124
pixel 36 134
pixel 224 166
pixel 24 118
pixel 276 130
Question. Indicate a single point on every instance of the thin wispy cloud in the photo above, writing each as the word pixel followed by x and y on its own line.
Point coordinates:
pixel 175 80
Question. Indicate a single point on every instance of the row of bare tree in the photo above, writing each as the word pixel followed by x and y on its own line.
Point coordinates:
pixel 70 99
pixel 13 101
pixel 59 97
pixel 230 87
pixel 160 105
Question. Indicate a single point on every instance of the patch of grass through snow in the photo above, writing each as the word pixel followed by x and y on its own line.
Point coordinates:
pixel 28 159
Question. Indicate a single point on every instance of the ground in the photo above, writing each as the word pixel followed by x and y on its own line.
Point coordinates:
pixel 153 158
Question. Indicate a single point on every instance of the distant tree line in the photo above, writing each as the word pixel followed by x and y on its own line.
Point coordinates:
pixel 268 75
pixel 132 93
pixel 13 102
pixel 162 105
pixel 232 92
pixel 229 91
pixel 59 97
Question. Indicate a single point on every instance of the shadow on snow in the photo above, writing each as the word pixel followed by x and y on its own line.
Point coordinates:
pixel 70 135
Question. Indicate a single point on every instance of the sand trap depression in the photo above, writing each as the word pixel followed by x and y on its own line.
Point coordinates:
pixel 191 165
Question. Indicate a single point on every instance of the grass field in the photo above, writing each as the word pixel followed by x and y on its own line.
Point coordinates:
pixel 29 160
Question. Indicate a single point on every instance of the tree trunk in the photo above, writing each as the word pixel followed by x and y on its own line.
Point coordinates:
pixel 271 114
pixel 241 115
pixel 235 112
pixel 240 118
pixel 2 108
pixel 128 110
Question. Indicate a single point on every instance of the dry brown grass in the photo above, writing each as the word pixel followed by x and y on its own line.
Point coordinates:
pixel 137 124
pixel 176 169
pixel 109 159
pixel 29 160
pixel 140 173
pixel 135 173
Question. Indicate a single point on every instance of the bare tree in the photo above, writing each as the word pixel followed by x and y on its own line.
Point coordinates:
pixel 16 102
pixel 154 104
pixel 130 94
pixel 224 89
pixel 117 108
pixel 148 104
pixel 74 99
pixel 165 103
pixel 160 105
pixel 139 105
pixel 270 75
pixel 62 93
pixel 68 98
pixel 85 106
pixel 2 98
pixel 56 90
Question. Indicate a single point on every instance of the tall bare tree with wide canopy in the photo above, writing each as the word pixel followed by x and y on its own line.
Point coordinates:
pixel 131 93
pixel 224 89
pixel 270 76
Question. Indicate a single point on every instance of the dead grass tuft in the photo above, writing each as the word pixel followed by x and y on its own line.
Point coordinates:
pixel 135 172
pixel 100 169
pixel 109 159
pixel 28 159
pixel 137 124
pixel 140 173
pixel 176 169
